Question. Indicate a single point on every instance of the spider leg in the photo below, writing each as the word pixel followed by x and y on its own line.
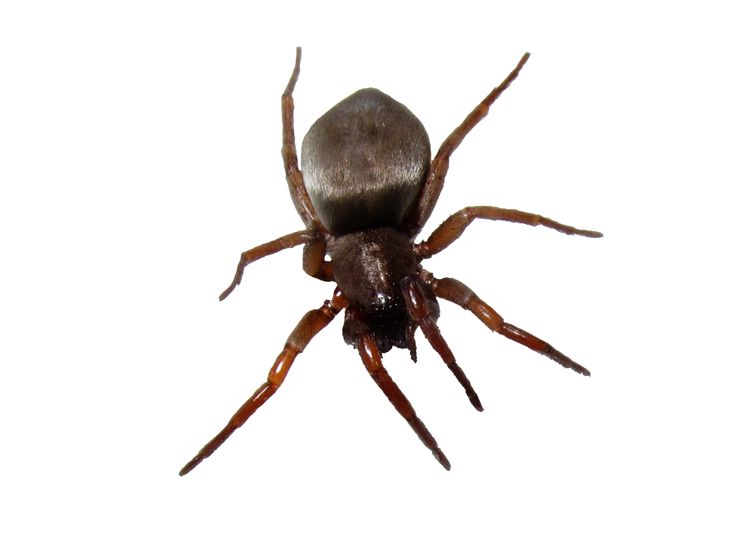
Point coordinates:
pixel 451 229
pixel 456 292
pixel 420 311
pixel 310 324
pixel 294 177
pixel 269 248
pixel 438 168
pixel 371 356
pixel 411 342
pixel 313 259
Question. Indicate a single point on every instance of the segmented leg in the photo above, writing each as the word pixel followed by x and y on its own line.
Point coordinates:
pixel 456 292
pixel 438 168
pixel 451 229
pixel 310 324
pixel 420 312
pixel 313 260
pixel 294 178
pixel 411 342
pixel 269 248
pixel 371 357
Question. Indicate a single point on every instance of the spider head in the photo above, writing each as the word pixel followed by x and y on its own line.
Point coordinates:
pixel 369 267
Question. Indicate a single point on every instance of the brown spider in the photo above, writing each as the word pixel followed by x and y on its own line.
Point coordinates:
pixel 367 189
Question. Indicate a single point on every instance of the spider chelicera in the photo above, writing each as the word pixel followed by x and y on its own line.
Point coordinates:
pixel 367 188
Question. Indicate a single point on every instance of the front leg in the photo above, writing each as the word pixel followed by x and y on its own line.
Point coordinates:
pixel 424 311
pixel 451 229
pixel 371 356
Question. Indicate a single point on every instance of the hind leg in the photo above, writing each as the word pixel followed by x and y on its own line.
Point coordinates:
pixel 294 177
pixel 441 162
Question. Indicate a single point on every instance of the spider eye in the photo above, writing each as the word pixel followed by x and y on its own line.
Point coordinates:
pixel 381 302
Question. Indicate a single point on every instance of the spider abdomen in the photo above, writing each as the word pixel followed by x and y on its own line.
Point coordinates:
pixel 364 162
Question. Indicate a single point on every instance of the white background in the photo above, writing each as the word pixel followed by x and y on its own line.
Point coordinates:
pixel 139 154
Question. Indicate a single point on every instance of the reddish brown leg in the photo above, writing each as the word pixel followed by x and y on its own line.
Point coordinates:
pixel 438 168
pixel 420 312
pixel 451 229
pixel 269 248
pixel 411 342
pixel 371 357
pixel 456 292
pixel 288 152
pixel 310 324
pixel 313 260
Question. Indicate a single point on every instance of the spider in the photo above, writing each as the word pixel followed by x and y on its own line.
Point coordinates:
pixel 366 189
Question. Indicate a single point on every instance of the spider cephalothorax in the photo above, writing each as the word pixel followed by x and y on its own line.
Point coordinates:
pixel 367 190
pixel 369 267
